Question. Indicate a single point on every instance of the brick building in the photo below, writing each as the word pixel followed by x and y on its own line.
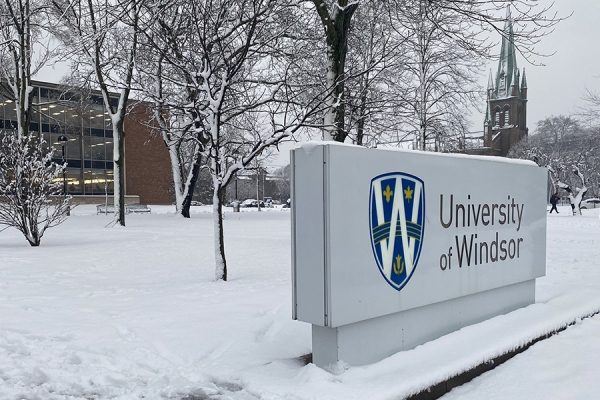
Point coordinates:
pixel 89 149
pixel 147 163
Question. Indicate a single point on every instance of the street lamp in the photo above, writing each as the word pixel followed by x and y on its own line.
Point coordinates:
pixel 62 139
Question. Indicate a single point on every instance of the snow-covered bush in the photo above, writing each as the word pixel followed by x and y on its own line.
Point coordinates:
pixel 31 186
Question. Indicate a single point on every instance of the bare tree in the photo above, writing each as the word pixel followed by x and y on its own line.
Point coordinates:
pixel 439 73
pixel 243 80
pixel 590 112
pixel 374 81
pixel 282 183
pixel 557 128
pixel 167 78
pixel 105 36
pixel 572 160
pixel 21 29
pixel 28 177
pixel 220 71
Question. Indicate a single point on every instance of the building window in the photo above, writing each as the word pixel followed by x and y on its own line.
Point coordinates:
pixel 74 180
pixel 497 116
pixel 88 152
pixel 506 115
pixel 502 84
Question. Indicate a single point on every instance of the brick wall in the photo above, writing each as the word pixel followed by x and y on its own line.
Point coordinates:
pixel 147 164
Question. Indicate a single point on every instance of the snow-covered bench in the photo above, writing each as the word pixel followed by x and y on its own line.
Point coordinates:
pixel 129 209
pixel 137 209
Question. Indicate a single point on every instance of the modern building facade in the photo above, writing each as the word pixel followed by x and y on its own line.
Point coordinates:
pixel 89 149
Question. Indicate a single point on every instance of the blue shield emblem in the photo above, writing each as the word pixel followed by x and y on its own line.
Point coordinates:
pixel 397 213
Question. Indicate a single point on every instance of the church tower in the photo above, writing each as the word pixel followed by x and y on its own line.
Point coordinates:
pixel 505 120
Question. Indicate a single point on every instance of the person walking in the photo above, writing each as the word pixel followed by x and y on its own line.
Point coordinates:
pixel 554 201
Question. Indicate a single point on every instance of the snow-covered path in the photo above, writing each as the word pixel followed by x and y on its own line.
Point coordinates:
pixel 131 313
pixel 564 366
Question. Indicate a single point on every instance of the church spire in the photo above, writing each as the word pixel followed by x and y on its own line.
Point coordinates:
pixel 514 87
pixel 488 117
pixel 507 63
pixel 505 121
pixel 524 86
pixel 490 87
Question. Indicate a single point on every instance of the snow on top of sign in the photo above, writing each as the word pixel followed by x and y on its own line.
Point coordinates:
pixel 312 145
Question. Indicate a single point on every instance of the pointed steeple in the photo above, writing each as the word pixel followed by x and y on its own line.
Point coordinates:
pixel 488 116
pixel 490 87
pixel 490 81
pixel 514 87
pixel 507 63
pixel 524 86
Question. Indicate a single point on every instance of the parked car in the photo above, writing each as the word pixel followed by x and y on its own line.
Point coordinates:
pixel 251 203
pixel 195 203
pixel 590 203
pixel 268 201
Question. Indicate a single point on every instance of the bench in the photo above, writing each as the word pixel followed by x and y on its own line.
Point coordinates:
pixel 137 209
pixel 129 209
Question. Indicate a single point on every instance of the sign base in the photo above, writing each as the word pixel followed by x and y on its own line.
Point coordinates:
pixel 372 340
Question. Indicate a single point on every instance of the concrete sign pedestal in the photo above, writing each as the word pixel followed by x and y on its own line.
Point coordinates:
pixel 369 341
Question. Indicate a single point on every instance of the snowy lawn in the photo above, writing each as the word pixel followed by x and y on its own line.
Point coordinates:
pixel 131 313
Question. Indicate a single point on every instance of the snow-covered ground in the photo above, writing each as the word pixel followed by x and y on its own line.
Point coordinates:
pixel 131 313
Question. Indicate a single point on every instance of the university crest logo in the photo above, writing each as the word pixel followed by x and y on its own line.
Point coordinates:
pixel 397 213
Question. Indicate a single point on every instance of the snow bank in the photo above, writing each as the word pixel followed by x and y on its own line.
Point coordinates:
pixel 130 313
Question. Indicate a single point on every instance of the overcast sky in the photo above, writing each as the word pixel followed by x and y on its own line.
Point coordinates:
pixel 557 87
pixel 553 89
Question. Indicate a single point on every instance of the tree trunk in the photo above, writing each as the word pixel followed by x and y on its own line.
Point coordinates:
pixel 360 129
pixel 30 221
pixel 184 191
pixel 119 171
pixel 337 27
pixel 34 241
pixel 191 185
pixel 220 261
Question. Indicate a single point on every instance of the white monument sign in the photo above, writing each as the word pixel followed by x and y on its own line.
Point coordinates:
pixel 393 248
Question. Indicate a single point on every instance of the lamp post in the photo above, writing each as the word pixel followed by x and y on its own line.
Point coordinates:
pixel 257 187
pixel 62 139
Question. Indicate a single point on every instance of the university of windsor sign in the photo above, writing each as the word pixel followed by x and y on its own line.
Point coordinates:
pixel 393 248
